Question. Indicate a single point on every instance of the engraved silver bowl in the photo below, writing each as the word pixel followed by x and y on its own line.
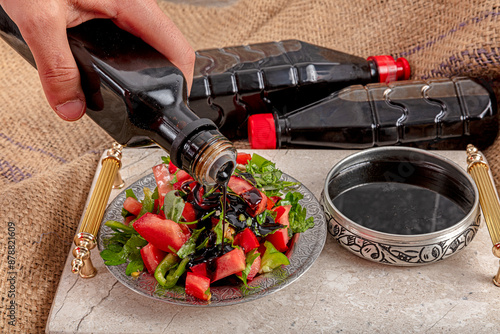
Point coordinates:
pixel 409 165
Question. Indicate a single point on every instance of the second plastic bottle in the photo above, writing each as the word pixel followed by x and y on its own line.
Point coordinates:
pixel 232 83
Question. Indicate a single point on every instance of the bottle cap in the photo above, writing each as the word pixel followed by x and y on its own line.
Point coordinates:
pixel 390 69
pixel 262 131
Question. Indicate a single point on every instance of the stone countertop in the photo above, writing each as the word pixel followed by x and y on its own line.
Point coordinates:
pixel 339 293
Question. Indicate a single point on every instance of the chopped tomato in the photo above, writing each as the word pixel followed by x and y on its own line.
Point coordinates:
pixel 132 205
pixel 246 239
pixel 204 201
pixel 164 234
pixel 128 219
pixel 182 176
pixel 186 230
pixel 230 263
pixel 243 158
pixel 189 212
pixel 152 256
pixel 163 178
pixel 282 214
pixel 280 238
pixel 198 286
pixel 193 185
pixel 156 206
pixel 200 269
pixel 270 203
pixel 214 221
pixel 238 185
pixel 256 201
pixel 172 168
pixel 254 269
pixel 276 199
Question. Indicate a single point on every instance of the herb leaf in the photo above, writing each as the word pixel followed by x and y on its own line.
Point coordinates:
pixel 166 160
pixel 297 214
pixel 130 193
pixel 267 176
pixel 173 206
pixel 135 265
pixel 189 246
pixel 148 202
pixel 218 231
pixel 251 256
pixel 131 249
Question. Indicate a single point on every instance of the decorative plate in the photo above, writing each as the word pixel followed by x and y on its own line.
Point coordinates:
pixel 305 250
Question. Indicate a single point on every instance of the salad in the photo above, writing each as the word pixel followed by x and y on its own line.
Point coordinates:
pixel 182 233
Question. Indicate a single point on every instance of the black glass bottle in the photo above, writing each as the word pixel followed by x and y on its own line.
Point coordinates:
pixel 232 83
pixel 133 92
pixel 433 114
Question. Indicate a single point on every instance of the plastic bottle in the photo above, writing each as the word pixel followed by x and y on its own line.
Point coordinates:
pixel 133 92
pixel 234 82
pixel 434 114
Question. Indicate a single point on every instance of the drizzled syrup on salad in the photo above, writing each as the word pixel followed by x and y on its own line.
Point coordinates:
pixel 234 210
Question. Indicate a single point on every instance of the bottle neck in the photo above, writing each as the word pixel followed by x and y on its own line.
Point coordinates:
pixel 374 74
pixel 197 146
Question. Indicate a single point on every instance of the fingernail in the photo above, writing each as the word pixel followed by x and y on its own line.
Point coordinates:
pixel 71 110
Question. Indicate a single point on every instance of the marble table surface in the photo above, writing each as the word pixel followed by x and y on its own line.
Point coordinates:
pixel 340 293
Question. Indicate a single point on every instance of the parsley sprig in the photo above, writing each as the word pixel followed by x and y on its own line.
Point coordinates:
pixel 267 176
pixel 297 214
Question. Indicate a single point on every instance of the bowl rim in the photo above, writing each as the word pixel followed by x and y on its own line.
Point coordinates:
pixel 400 239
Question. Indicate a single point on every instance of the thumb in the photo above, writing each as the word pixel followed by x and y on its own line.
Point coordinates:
pixel 56 66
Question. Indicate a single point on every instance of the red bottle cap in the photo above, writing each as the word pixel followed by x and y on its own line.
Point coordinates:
pixel 262 131
pixel 390 69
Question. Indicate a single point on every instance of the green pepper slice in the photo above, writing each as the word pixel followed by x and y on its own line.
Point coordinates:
pixel 168 262
pixel 272 258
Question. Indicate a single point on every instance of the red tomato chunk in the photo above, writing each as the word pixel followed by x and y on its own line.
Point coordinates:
pixel 162 177
pixel 164 234
pixel 152 256
pixel 247 240
pixel 280 238
pixel 230 263
pixel 243 158
pixel 132 205
pixel 198 286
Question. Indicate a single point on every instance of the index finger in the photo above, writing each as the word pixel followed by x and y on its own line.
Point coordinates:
pixel 147 21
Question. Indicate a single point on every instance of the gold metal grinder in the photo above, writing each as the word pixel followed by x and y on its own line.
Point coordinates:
pixel 488 198
pixel 108 178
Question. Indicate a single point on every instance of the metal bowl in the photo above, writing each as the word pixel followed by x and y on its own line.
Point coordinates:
pixel 405 238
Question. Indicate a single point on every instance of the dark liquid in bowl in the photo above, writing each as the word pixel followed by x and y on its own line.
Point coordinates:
pixel 398 208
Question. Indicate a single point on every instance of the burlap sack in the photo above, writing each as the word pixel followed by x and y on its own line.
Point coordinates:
pixel 46 164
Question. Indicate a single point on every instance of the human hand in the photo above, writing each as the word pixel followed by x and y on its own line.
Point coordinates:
pixel 43 25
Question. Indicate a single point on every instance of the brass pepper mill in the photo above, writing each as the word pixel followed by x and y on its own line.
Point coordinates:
pixel 488 198
pixel 108 178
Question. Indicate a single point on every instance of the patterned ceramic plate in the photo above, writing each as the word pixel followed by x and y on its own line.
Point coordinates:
pixel 305 250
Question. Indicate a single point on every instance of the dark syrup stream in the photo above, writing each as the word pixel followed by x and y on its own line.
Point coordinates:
pixel 224 215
